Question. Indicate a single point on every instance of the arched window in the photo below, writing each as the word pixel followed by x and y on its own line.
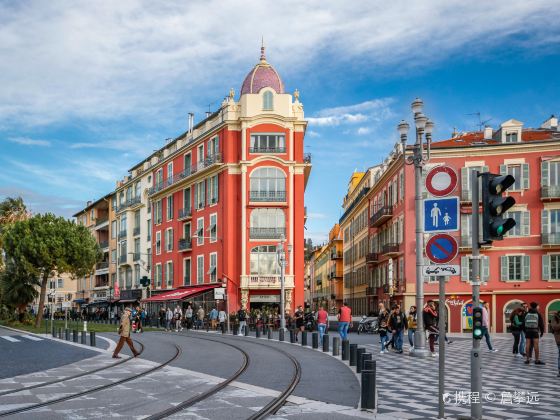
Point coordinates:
pixel 267 224
pixel 263 260
pixel 268 184
pixel 267 101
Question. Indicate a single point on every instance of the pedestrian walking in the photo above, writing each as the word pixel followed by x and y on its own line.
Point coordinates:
pixel 344 320
pixel 124 332
pixel 141 319
pixel 522 341
pixel 534 329
pixel 213 318
pixel 322 322
pixel 162 315
pixel 383 320
pixel 178 316
pixel 222 316
pixel 242 316
pixel 411 321
pixel 555 327
pixel 397 325
pixel 200 317
pixel 516 328
pixel 486 327
pixel 189 317
pixel 168 319
pixel 430 316
pixel 300 326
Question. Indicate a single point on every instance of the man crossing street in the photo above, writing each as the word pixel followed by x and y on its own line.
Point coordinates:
pixel 124 332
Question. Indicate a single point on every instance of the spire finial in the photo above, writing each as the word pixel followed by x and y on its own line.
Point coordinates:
pixel 263 57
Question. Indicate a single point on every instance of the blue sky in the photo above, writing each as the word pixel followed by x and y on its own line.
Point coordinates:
pixel 88 90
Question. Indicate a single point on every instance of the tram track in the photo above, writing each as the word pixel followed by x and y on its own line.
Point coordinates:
pixel 178 352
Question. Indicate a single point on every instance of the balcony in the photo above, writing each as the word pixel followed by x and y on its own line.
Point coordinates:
pixel 336 255
pixel 185 244
pixel 268 196
pixel 390 249
pixel 136 256
pixel 104 244
pixel 102 265
pixel 122 259
pixel 101 222
pixel 269 281
pixel 136 231
pixel 129 203
pixel 122 234
pixel 185 213
pixel 550 239
pixel 381 216
pixel 266 233
pixel 267 150
pixel 335 274
pixel 550 191
pixel 372 258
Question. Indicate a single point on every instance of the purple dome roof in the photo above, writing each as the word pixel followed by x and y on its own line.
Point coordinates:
pixel 261 76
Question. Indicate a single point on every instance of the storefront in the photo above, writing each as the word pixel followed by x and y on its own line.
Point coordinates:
pixel 195 296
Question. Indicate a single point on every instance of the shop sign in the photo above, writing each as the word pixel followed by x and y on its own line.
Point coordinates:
pixel 219 293
pixel 265 298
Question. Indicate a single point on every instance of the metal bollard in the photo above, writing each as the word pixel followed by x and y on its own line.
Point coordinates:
pixel 315 340
pixel 292 336
pixel 67 334
pixel 359 354
pixel 92 338
pixel 336 346
pixel 75 336
pixel 59 333
pixel 223 327
pixel 84 337
pixel 270 333
pixel 304 338
pixel 353 353
pixel 326 341
pixel 368 385
pixel 235 329
pixel 345 350
pixel 364 358
pixel 53 331
pixel 258 332
pixel 246 331
pixel 281 334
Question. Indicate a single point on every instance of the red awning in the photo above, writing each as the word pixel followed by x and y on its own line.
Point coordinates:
pixel 182 294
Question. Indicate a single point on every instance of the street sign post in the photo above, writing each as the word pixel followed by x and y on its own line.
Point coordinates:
pixel 441 215
pixel 444 270
pixel 442 248
pixel 441 181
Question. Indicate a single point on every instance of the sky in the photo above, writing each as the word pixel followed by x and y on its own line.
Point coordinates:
pixel 88 89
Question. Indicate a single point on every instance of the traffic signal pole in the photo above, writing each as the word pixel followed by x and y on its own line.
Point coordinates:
pixel 476 361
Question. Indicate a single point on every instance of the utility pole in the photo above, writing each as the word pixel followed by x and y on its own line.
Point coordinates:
pixel 476 362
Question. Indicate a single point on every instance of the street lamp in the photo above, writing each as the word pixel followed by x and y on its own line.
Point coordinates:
pixel 283 263
pixel 423 126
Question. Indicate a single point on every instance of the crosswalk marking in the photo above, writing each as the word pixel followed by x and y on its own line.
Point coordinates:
pixel 30 337
pixel 10 338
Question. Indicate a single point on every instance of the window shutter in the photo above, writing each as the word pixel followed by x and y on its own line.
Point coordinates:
pixel 196 206
pixel 526 268
pixel 202 190
pixel 503 169
pixel 465 231
pixel 525 223
pixel 217 145
pixel 504 268
pixel 525 176
pixel 546 267
pixel 465 184
pixel 485 268
pixel 216 195
pixel 544 222
pixel 465 268
pixel 544 174
pixel 209 192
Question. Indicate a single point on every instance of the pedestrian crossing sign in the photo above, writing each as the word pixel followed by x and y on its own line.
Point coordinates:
pixel 441 215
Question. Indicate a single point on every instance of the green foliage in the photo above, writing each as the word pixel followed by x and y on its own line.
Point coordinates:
pixel 19 288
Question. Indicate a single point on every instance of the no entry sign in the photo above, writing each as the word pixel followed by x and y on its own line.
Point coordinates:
pixel 441 181
pixel 441 248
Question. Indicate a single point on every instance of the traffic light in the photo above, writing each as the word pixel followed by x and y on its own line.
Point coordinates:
pixel 494 205
pixel 477 323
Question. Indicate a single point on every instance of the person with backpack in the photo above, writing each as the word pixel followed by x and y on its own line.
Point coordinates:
pixel 522 341
pixel 397 325
pixel 516 327
pixel 430 317
pixel 555 327
pixel 242 316
pixel 222 317
pixel 534 329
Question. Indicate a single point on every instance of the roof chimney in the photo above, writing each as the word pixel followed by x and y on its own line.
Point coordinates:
pixel 551 123
pixel 488 133
pixel 191 122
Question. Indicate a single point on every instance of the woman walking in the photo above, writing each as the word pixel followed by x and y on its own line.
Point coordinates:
pixel 516 326
pixel 411 322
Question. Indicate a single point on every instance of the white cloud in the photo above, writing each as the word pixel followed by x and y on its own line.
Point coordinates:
pixel 317 216
pixel 375 110
pixel 63 60
pixel 26 141
pixel 312 133
pixel 362 131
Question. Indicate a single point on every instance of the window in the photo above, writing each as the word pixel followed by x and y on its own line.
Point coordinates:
pixel 187 272
pixel 268 143
pixel 187 231
pixel 466 268
pixel 213 267
pixel 158 275
pixel 267 224
pixel 466 222
pixel 212 190
pixel 268 184
pixel 267 101
pixel 92 215
pixel 123 251
pixel 200 231
pixel 60 283
pixel 158 243
pixel 169 240
pixel 550 225
pixel 401 186
pixel 137 248
pixel 169 273
pixel 187 164
pixel 515 267
pixel 123 224
pixel 137 219
pixel 128 277
pixel 137 190
pixel 169 171
pixel 136 275
pixel 263 260
pixel 114 256
pixel 114 202
pixel 213 147
pixel 522 220
pixel 466 174
pixel 200 269
pixel 170 207
pixel 551 267
pixel 200 157
pixel 149 229
pixel 511 137
pixel 113 229
pixel 213 228
pixel 158 212
pixel 159 178
pixel 520 173
pixel 187 199
pixel 199 194
pixel 149 255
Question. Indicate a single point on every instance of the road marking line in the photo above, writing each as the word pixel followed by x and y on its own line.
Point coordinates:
pixel 10 338
pixel 30 337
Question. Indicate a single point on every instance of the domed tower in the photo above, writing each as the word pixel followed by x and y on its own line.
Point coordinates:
pixel 261 76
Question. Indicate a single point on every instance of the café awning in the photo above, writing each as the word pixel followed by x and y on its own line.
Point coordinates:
pixel 182 294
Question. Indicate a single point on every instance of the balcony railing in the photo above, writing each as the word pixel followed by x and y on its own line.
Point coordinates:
pixel 550 238
pixel 550 191
pixel 122 259
pixel 268 195
pixel 264 281
pixel 102 265
pixel 266 233
pixel 101 220
pixel 136 256
pixel 336 255
pixel 267 150
pixel 199 166
pixel 122 234
pixel 335 274
pixel 136 231
pixel 372 258
pixel 129 203
pixel 390 248
pixel 185 244
pixel 381 216
pixel 185 213
pixel 104 244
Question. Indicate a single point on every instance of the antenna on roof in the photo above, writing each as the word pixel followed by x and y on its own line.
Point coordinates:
pixel 481 124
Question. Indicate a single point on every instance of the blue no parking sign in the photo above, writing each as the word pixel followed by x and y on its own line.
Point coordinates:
pixel 441 215
pixel 441 248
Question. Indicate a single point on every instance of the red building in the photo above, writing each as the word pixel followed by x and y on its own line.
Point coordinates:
pixel 525 266
pixel 226 191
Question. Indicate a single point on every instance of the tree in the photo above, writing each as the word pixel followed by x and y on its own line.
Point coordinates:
pixel 11 211
pixel 18 288
pixel 45 244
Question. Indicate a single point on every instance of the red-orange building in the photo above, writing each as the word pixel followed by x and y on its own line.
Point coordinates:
pixel 525 266
pixel 226 191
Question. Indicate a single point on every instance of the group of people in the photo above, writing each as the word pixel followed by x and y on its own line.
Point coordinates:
pixel 177 319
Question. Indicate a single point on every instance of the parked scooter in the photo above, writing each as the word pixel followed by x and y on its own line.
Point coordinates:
pixel 368 325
